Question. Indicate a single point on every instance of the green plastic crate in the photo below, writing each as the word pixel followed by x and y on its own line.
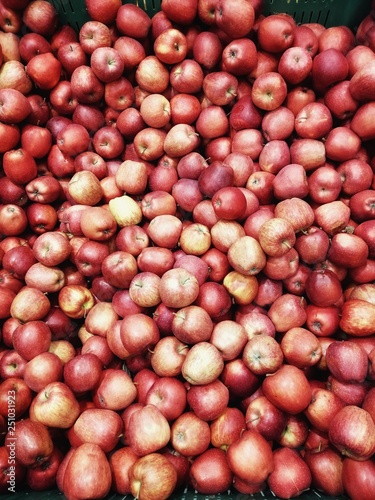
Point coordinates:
pixel 184 495
pixel 327 12
pixel 74 12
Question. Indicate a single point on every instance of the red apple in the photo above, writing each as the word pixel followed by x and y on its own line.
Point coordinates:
pixel 210 472
pixel 169 395
pixel 15 398
pixel 55 406
pixel 203 364
pixel 227 428
pixel 208 401
pixel 275 33
pixel 235 19
pixel 138 332
pixel 326 468
pixel 94 473
pixel 34 443
pixel 32 338
pixel 148 430
pixel 298 396
pixel 190 435
pixel 264 417
pixel 178 288
pixel 121 461
pixel 115 391
pixel 258 452
pixel 150 470
pixel 346 429
pixel 99 426
pixel 244 114
pixel 296 307
pixel 36 69
pixel 45 368
pixel 262 355
pixel 357 477
pixel 269 91
pixel 184 14
pixel 291 475
pixel 43 477
pixel 40 17
pixel 323 407
pixel 331 63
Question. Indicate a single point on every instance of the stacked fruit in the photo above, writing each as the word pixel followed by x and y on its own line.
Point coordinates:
pixel 187 251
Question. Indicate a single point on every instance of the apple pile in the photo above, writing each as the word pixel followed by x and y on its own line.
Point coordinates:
pixel 187 222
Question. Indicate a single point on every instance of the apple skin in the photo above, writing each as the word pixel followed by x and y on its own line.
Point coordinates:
pixel 275 33
pixel 44 477
pixel 349 442
pixel 302 357
pixel 269 91
pixel 262 354
pixel 210 472
pixel 264 417
pixel 148 419
pixel 169 395
pixel 333 64
pixel 120 462
pixel 100 426
pixel 34 443
pixel 150 470
pixel 259 461
pixel 298 395
pixel 31 339
pixel 236 19
pixel 326 468
pixel 356 364
pixel 40 17
pixel 291 475
pixel 350 322
pixel 208 401
pixel 190 435
pixel 115 391
pixel 22 398
pixel 358 478
pixel 55 406
pixel 87 457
